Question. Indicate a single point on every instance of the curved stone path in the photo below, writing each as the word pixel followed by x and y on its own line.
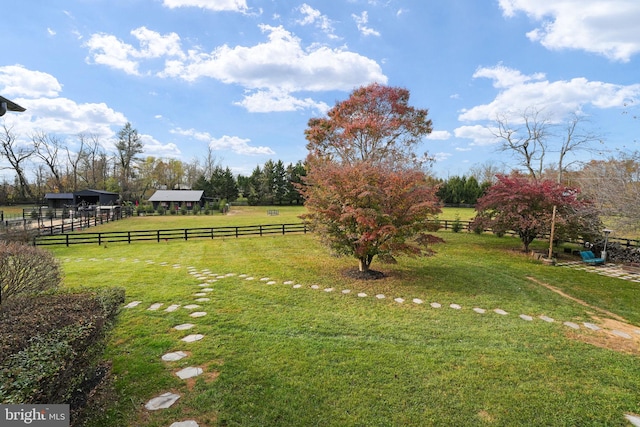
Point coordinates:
pixel 208 278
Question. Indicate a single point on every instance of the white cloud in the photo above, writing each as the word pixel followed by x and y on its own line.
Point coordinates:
pixel 361 22
pixel 265 101
pixel 39 93
pixel 605 27
pixel 214 5
pixel 280 65
pixel 153 147
pixel 441 157
pixel 15 80
pixel 234 143
pixel 313 16
pixel 481 135
pixel 51 32
pixel 107 50
pixel 520 92
pixel 439 135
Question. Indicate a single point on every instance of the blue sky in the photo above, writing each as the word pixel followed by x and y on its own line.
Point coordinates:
pixel 245 76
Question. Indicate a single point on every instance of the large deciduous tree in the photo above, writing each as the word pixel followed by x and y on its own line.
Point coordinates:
pixel 365 190
pixel 524 205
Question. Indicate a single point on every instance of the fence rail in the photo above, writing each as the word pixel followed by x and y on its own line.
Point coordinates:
pixel 63 234
pixel 169 234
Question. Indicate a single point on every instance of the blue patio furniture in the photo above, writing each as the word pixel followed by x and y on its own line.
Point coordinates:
pixel 589 258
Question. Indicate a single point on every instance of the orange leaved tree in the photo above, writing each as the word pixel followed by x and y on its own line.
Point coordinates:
pixel 365 190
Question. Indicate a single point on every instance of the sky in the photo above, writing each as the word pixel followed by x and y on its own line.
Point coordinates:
pixel 245 76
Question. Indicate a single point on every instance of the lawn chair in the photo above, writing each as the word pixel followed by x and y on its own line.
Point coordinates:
pixel 589 258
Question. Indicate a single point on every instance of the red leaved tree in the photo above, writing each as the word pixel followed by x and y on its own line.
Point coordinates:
pixel 365 191
pixel 525 206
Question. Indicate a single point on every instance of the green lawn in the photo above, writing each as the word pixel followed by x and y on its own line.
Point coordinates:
pixel 278 356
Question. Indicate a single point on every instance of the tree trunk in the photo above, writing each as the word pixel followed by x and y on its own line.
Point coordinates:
pixel 364 263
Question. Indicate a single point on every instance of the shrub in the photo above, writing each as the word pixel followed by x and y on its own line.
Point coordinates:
pixel 456 225
pixel 51 345
pixel 434 225
pixel 160 210
pixel 26 269
pixel 196 209
pixel 183 210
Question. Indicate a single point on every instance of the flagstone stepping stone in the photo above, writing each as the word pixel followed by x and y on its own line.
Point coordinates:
pixel 572 325
pixel 591 326
pixel 500 311
pixel 230 274
pixel 435 305
pixel 315 287
pixel 547 319
pixel 479 310
pixel 207 289
pixel 362 294
pixel 455 306
pixel 633 419
pixel 380 296
pixel 189 372
pixel 133 304
pixel 346 291
pixel 288 282
pixel 188 423
pixel 192 338
pixel 203 285
pixel 198 314
pixel 163 263
pixel 271 282
pixel 200 294
pixel 191 306
pixel 155 306
pixel 297 286
pixel 184 326
pixel 264 279
pixel 161 402
pixel 174 356
pixel 399 300
pixel 250 278
pixel 172 307
pixel 203 299
pixel 417 301
pixel 526 317
pixel 621 334
pixel 328 290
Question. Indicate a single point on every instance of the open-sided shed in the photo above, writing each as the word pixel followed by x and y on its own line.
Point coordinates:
pixel 168 198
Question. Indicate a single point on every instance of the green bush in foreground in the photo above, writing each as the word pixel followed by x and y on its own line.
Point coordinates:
pixel 52 345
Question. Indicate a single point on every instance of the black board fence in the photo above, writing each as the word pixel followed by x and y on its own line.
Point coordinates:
pixel 61 236
pixel 169 234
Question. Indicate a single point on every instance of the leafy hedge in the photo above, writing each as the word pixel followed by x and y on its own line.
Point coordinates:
pixel 51 345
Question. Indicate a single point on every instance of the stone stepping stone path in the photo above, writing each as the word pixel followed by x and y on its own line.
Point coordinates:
pixel 168 399
pixel 189 372
pixel 184 326
pixel 174 356
pixel 198 314
pixel 193 338
pixel 163 401
pixel 188 423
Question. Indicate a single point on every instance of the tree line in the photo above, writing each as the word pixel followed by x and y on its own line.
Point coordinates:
pixel 49 165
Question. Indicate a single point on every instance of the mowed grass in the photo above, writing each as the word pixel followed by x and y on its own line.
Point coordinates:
pixel 278 356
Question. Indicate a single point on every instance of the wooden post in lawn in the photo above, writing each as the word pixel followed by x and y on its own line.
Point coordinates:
pixel 553 226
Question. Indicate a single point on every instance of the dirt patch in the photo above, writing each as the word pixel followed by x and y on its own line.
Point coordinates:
pixel 604 338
